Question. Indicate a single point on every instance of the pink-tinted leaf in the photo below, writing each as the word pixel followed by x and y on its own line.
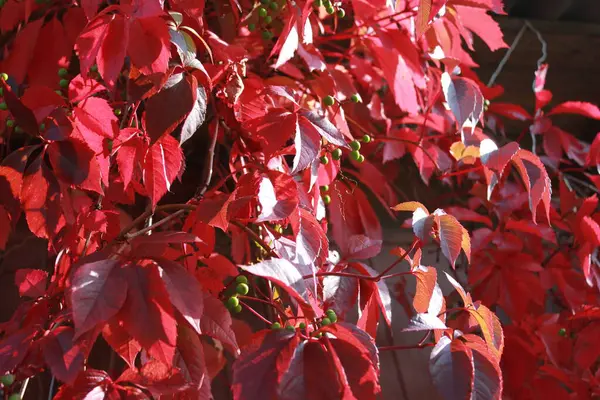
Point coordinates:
pixel 483 25
pixel 425 322
pixel 277 196
pixel 465 99
pixel 98 292
pixel 31 282
pixel 81 88
pixel 149 44
pixel 308 145
pixel 13 349
pixel 577 107
pixel 452 369
pixel 340 294
pixel 117 337
pixel 94 116
pixel 426 13
pixel 184 291
pixel 494 158
pixel 536 181
pixel 451 237
pixel 192 360
pixel 196 117
pixel 491 329
pixel 426 281
pixel 216 322
pixel 62 355
pixel 324 127
pixel 511 111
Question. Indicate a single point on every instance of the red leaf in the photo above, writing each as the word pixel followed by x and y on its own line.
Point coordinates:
pixel 491 329
pixel 19 59
pixel 95 117
pixel 31 282
pixel 324 127
pixel 184 291
pixel 512 111
pixel 162 164
pixel 75 164
pixel 149 45
pixel 426 282
pixel 42 101
pixel 483 25
pixel 536 181
pixel 98 292
pixel 288 41
pixel 81 88
pixel 23 116
pixel 259 368
pixel 428 9
pixel 451 237
pixel 104 40
pixel 147 313
pixel 196 117
pixel 577 107
pixel 64 357
pixel 216 322
pixel 121 342
pixel 91 384
pixel 192 360
pixel 308 144
pixel 277 196
pixel 11 179
pixel 13 349
pixel 169 107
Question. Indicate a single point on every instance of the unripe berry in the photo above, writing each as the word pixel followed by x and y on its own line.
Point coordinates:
pixel 318 3
pixel 63 72
pixel 325 188
pixel 237 309
pixel 328 101
pixel 267 35
pixel 336 154
pixel 268 19
pixel 233 302
pixel 355 98
pixel 341 13
pixel 10 123
pixel 7 379
pixel 63 83
pixel 331 315
pixel 361 159
pixel 94 68
pixel 18 129
pixel 366 139
pixel 42 126
pixel 276 326
pixel 355 155
pixel 562 332
pixel 324 160
pixel 262 12
pixel 290 328
pixel 15 396
pixel 355 145
pixel 325 321
pixel 274 6
pixel 1 91
pixel 265 1
pixel 302 325
pixel 327 199
pixel 3 106
pixel 118 112
pixel 330 10
pixel 242 289
pixel 241 279
pixel 4 76
pixel 58 92
pixel 251 27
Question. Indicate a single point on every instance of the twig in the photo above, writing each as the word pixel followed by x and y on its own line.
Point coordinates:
pixel 507 55
pixel 24 387
pixel 398 261
pixel 147 213
pixel 51 390
pixel 544 44
pixel 257 238
pixel 416 346
pixel 209 162
pixel 156 224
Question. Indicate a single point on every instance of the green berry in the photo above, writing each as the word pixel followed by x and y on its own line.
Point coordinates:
pixel 325 321
pixel 117 111
pixel 355 98
pixel 1 91
pixel 341 13
pixel 2 3
pixel 327 3
pixel 241 279
pixel 327 199
pixel 355 155
pixel 267 35
pixel 265 1
pixel 274 6
pixel 3 106
pixel 58 92
pixel 251 27
pixel 361 159
pixel 7 379
pixel 262 12
pixel 94 68
pixel 302 325
pixel 18 129
pixel 63 83
pixel 324 160
pixel 10 123
pixel 42 126
pixel 276 326
pixel 367 139
pixel 562 332
pixel 14 396
pixel 336 154
pixel 268 19
pixel 63 72
pixel 325 188
pixel 328 101
pixel 318 3
pixel 233 302
pixel 332 316
pixel 242 289
pixel 290 328
pixel 355 145
pixel 330 10
pixel 4 76
pixel 318 335
pixel 237 309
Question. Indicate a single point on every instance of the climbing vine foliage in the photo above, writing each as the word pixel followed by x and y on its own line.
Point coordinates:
pixel 203 186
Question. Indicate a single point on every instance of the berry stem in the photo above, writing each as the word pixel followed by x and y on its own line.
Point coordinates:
pixel 266 321
pixel 383 273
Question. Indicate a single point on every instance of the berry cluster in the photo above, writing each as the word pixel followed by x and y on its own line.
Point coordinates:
pixel 265 12
pixel 242 288
pixel 330 8
pixel 6 381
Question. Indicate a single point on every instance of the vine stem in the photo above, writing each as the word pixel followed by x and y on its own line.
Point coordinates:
pixel 266 321
pixel 402 347
pixel 148 213
pixel 257 238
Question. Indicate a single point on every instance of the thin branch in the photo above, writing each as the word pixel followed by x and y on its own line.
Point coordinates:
pixel 507 55
pixel 147 213
pixel 544 44
pixel 209 162
pixel 24 387
pixel 256 238
pixel 156 224
pixel 410 347
pixel 398 261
